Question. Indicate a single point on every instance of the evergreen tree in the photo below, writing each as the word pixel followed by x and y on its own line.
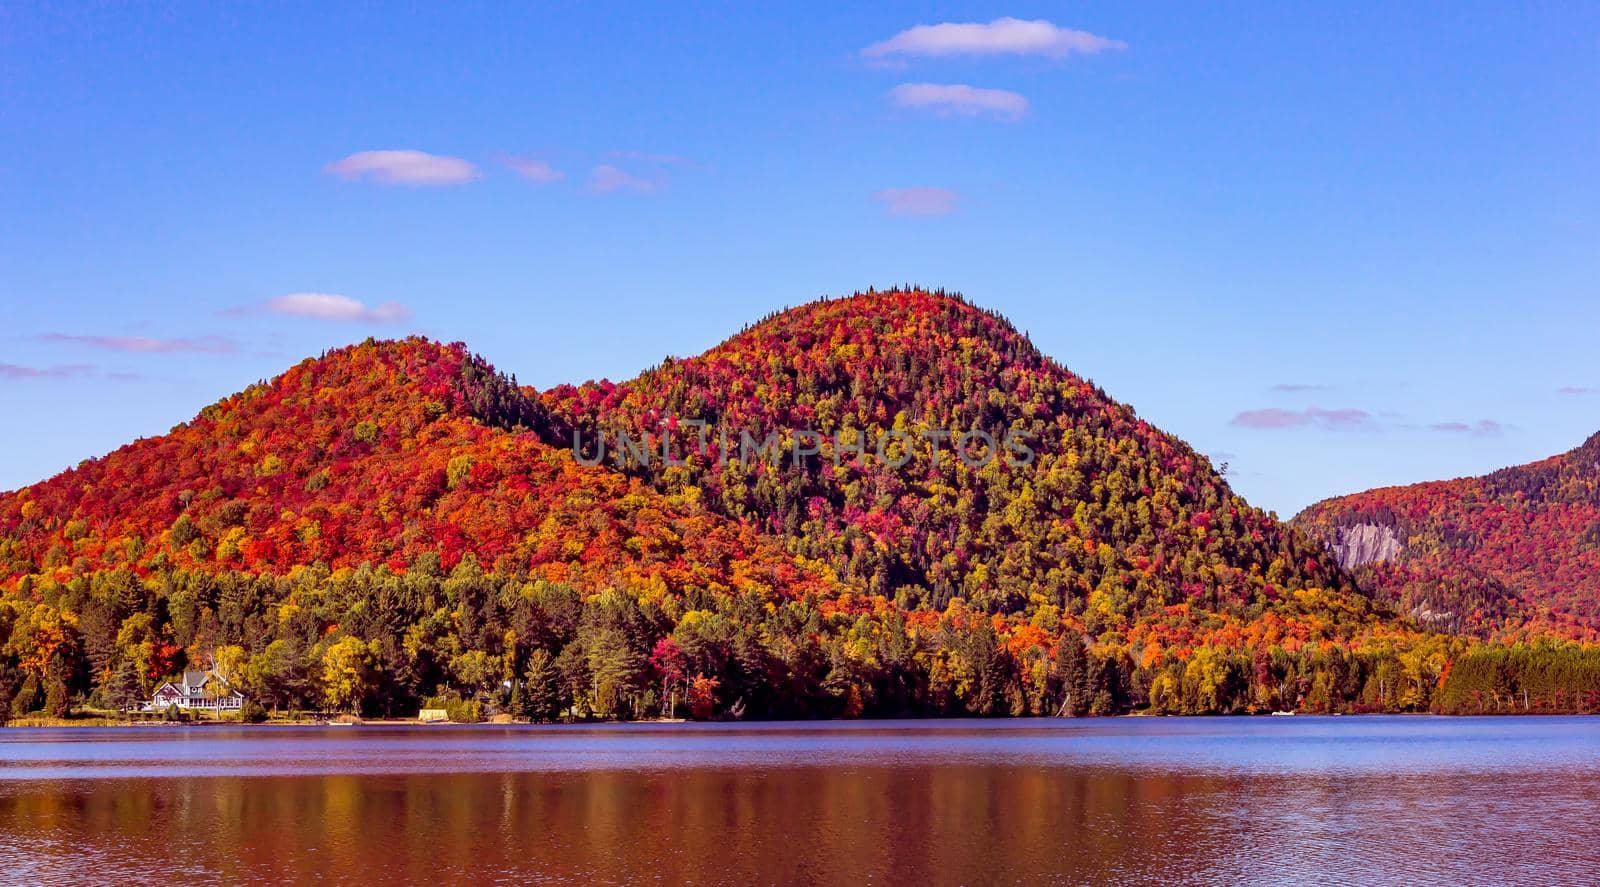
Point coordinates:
pixel 540 689
pixel 1073 675
pixel 58 700
pixel 125 692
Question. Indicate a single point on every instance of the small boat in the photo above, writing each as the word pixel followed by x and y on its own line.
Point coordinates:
pixel 1283 714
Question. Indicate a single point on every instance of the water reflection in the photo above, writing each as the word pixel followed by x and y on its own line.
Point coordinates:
pixel 1216 801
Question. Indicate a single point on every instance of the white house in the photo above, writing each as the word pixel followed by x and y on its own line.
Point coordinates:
pixel 199 690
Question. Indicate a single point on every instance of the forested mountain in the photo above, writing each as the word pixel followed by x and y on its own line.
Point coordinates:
pixel 1111 519
pixel 396 522
pixel 1470 554
pixel 377 454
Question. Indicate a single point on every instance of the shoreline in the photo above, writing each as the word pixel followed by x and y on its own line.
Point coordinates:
pixel 104 723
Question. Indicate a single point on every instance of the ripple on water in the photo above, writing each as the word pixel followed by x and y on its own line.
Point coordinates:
pixel 1207 801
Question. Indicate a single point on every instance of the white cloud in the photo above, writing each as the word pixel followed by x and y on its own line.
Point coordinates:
pixel 917 201
pixel 1003 36
pixel 329 306
pixel 403 168
pixel 533 170
pixel 606 178
pixel 956 99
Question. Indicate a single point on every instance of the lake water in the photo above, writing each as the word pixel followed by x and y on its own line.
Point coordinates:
pixel 1174 800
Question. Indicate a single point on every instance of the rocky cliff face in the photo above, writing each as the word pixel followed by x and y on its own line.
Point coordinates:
pixel 1363 544
pixel 1518 545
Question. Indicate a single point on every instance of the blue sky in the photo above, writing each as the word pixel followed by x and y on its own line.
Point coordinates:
pixel 1336 248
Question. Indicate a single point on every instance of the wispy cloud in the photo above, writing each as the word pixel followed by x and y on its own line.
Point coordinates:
pixel 960 100
pixel 917 201
pixel 1003 36
pixel 1299 387
pixel 1353 419
pixel 326 306
pixel 331 306
pixel 403 167
pixel 1347 419
pixel 146 344
pixel 1577 391
pixel 1480 428
pixel 606 179
pixel 533 170
pixel 65 371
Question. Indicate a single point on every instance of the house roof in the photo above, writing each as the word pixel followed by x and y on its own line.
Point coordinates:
pixel 196 681
pixel 193 683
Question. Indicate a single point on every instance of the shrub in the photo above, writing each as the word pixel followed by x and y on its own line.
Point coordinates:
pixel 460 711
pixel 57 700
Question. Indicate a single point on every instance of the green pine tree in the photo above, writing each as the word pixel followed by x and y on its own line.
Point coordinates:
pixel 540 689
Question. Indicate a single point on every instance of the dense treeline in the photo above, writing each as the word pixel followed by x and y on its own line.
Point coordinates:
pixel 376 642
pixel 1524 679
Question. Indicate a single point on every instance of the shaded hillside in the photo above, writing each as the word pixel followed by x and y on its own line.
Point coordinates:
pixel 1521 545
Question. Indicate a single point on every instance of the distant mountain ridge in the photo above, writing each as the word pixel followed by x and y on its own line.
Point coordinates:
pixel 1525 538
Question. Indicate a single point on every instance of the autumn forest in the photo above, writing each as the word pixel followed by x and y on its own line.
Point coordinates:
pixel 396 525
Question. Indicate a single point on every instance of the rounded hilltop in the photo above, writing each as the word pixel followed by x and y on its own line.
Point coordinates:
pixel 1113 518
